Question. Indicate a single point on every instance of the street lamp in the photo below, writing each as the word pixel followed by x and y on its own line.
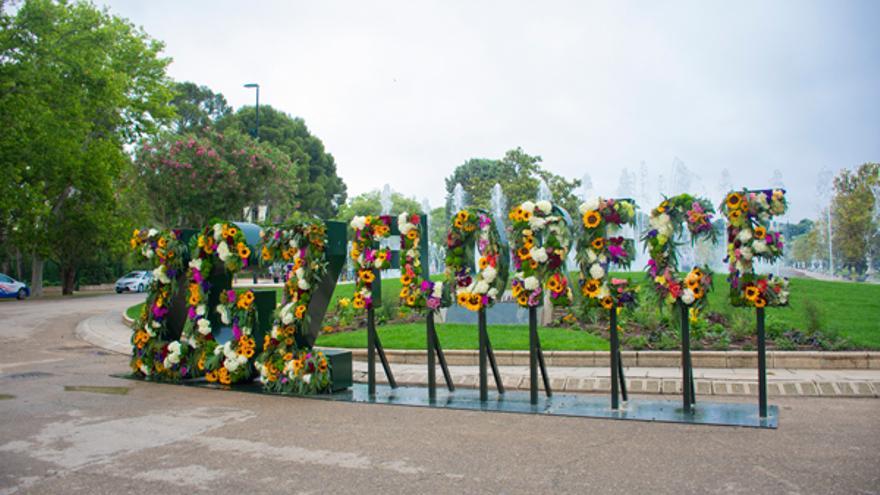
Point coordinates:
pixel 257 86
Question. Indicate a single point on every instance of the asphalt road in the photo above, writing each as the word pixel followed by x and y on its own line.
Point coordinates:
pixel 170 439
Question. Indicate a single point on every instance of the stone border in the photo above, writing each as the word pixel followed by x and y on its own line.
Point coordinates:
pixel 653 359
pixel 662 386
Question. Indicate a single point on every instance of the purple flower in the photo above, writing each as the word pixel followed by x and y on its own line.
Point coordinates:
pixel 191 312
pixel 230 294
pixel 485 221
pixel 236 331
pixel 427 286
pixel 433 302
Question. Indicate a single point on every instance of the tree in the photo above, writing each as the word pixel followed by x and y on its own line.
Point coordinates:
pixel 518 173
pixel 197 107
pixel 322 192
pixel 369 203
pixel 855 227
pixel 192 178
pixel 76 85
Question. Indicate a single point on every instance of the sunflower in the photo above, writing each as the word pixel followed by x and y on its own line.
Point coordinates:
pixel 733 200
pixel 751 292
pixel 607 302
pixel 288 356
pixel 300 311
pixel 598 243
pixel 591 288
pixel 697 273
pixel 692 283
pixel 225 231
pixel 411 300
pixel 381 256
pixel 367 276
pixel 760 302
pixel 484 262
pixel 355 252
pixel 528 242
pixel 462 216
pixel 523 254
pixel 735 215
pixel 267 255
pixel 515 214
pixel 760 232
pixel 162 242
pixel 232 231
pixel 516 290
pixel 555 284
pixel 405 279
pixel 381 230
pixel 592 219
pixel 412 235
pixel 223 376
pixel 698 292
pixel 322 365
pixel 523 299
pixel 458 223
pixel 211 376
pixel 404 292
pixel 533 264
pixel 475 300
pixel 243 250
pixel 462 298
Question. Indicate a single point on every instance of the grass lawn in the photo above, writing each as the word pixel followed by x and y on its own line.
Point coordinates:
pixel 463 336
pixel 850 309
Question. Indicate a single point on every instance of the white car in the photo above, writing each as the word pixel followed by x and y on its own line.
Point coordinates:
pixel 137 281
pixel 9 287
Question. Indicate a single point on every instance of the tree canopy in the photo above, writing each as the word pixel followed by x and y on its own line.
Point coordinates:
pixel 197 107
pixel 322 191
pixel 369 203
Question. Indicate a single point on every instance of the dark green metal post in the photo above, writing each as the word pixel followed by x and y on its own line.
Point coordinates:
pixel 621 377
pixel 484 341
pixel 371 352
pixel 431 347
pixel 442 359
pixel 762 365
pixel 615 359
pixel 494 365
pixel 533 355
pixel 686 391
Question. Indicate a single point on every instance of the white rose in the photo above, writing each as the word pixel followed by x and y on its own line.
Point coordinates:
pixel 292 244
pixel 591 256
pixel 746 253
pixel 590 204
pixel 401 219
pixel 489 274
pixel 493 293
pixel 603 292
pixel 537 223
pixel 200 309
pixel 231 365
pixel 759 246
pixel 438 290
pixel 544 206
pixel 538 254
pixel 528 206
pixel 218 231
pixel 286 315
pixel 482 287
pixel 224 315
pixel 530 283
pixel 300 272
pixel 174 347
pixel 160 274
pixel 156 324
pixel 204 326
pixel 687 296
pixel 148 253
pixel 152 232
pixel 196 264
pixel 596 271
pixel 303 284
pixel 358 222
pixel 274 334
pixel 744 235
pixel 223 251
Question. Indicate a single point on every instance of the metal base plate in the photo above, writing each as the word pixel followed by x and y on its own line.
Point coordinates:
pixel 577 405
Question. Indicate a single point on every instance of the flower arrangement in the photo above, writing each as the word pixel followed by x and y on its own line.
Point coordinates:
pixel 301 247
pixel 366 258
pixel 153 355
pixel 415 292
pixel 748 214
pixel 219 240
pixel 540 244
pixel 297 371
pixel 480 290
pixel 598 247
pixel 231 362
pixel 668 221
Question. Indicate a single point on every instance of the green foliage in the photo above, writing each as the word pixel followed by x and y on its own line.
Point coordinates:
pixel 76 84
pixel 197 107
pixel 320 191
pixel 518 174
pixel 369 203
pixel 192 178
pixel 856 226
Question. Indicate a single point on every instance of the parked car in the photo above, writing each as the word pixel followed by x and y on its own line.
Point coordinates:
pixel 9 287
pixel 137 281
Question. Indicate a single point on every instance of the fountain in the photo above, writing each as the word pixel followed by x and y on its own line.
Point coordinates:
pixel 458 198
pixel 498 204
pixel 544 193
pixel 823 189
pixel 390 242
pixel 586 187
pixel 385 199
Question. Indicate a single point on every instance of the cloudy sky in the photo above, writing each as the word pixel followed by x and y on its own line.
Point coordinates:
pixel 403 92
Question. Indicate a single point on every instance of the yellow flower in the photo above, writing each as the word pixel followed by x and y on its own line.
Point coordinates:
pixel 404 292
pixel 344 302
pixel 267 255
pixel 592 219
pixel 760 232
pixel 300 310
pixel 591 288
pixel 243 250
pixel 367 276
pixel 733 200
pixel 412 235
pixel 598 243
pixel 607 302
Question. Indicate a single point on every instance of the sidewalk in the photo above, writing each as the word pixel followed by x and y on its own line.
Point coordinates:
pixel 109 332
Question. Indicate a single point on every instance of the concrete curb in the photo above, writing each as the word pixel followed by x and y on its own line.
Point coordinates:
pixel 858 360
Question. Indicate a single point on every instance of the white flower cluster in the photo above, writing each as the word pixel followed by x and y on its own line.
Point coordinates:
pixel 232 360
pixel 405 226
pixel 287 313
pixel 358 222
pixel 589 205
pixel 173 356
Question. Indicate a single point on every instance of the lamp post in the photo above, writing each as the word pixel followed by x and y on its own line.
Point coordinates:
pixel 255 211
pixel 257 86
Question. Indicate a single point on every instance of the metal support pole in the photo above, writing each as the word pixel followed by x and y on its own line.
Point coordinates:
pixel 686 391
pixel 484 341
pixel 371 352
pixel 620 375
pixel 385 366
pixel 543 367
pixel 615 359
pixel 762 365
pixel 533 355
pixel 431 347
pixel 443 367
pixel 494 365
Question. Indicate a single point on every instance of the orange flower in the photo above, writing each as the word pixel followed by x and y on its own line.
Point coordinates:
pixel 598 243
pixel 267 255
pixel 607 302
pixel 367 276
pixel 300 310
pixel 591 219
pixel 760 232
pixel 243 250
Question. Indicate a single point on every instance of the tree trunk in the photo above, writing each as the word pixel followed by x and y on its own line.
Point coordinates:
pixel 19 274
pixel 68 279
pixel 37 275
